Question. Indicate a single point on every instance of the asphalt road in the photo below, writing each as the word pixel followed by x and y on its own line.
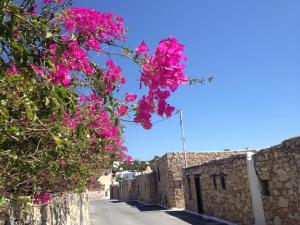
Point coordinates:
pixel 112 212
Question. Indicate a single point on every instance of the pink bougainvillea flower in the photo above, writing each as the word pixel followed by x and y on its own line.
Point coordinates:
pixel 62 162
pixel 92 43
pixel 130 97
pixel 145 108
pixel 128 159
pixel 142 48
pixel 66 80
pixel 112 76
pixel 12 70
pixel 38 70
pixel 122 110
pixel 42 198
pixel 52 116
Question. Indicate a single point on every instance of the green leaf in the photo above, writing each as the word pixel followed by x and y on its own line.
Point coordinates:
pixel 4 115
pixel 16 46
pixel 47 101
pixel 48 34
pixel 30 110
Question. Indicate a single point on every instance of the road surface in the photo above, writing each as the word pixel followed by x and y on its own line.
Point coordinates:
pixel 113 212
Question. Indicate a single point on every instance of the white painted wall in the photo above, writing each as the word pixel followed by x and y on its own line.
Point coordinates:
pixel 257 204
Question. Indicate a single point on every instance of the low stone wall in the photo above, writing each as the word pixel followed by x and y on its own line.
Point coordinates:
pixel 146 188
pixel 224 189
pixel 278 168
pixel 69 209
pixel 99 195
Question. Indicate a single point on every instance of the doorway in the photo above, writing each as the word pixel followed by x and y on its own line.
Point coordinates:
pixel 198 193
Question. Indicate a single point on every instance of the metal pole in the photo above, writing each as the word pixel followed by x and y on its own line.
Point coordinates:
pixel 183 139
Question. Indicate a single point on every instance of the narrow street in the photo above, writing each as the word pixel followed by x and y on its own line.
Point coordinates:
pixel 113 212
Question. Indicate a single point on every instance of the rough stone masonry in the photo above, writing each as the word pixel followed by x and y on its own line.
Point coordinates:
pixel 68 209
pixel 223 186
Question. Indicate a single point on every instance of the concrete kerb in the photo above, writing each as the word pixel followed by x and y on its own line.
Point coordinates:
pixel 163 206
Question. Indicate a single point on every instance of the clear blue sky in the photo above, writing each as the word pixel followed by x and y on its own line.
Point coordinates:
pixel 252 48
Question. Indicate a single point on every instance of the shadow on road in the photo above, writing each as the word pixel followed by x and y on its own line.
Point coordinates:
pixel 182 215
pixel 115 201
pixel 145 208
pixel 192 219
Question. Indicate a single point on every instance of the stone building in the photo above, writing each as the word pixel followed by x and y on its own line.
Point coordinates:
pixel 220 188
pixel 260 188
pixel 169 174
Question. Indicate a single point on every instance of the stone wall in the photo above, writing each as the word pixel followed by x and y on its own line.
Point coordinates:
pixel 115 191
pixel 230 200
pixel 169 175
pixel 142 188
pixel 162 181
pixel 69 209
pixel 146 188
pixel 127 190
pixel 278 168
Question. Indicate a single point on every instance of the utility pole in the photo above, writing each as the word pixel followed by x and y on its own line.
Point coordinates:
pixel 182 138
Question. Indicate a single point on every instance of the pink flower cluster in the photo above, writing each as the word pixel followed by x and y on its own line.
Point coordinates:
pixel 164 69
pixel 163 74
pixel 100 26
pixel 91 113
pixel 98 120
pixel 94 27
pixel 42 198
pixel 74 58
pixel 112 76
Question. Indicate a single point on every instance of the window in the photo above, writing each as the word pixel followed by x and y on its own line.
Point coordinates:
pixel 265 187
pixel 189 186
pixel 138 190
pixel 214 178
pixel 158 175
pixel 223 183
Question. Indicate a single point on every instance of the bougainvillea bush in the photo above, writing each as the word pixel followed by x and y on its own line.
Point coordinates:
pixel 59 114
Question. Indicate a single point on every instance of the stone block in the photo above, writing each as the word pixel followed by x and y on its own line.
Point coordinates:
pixel 283 202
